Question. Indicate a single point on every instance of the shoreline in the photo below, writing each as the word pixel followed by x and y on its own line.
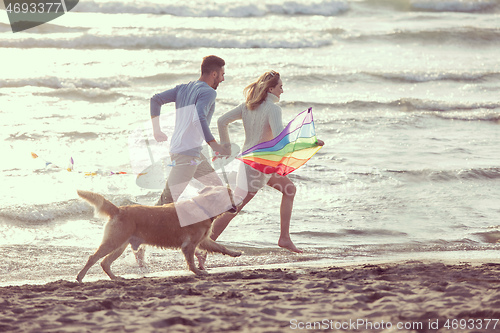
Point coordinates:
pixel 448 257
pixel 431 293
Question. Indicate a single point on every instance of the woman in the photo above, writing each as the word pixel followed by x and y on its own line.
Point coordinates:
pixel 262 122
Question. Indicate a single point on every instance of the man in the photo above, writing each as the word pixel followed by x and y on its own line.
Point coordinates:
pixel 195 106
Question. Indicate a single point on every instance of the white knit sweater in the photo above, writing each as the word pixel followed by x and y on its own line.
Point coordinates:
pixel 261 124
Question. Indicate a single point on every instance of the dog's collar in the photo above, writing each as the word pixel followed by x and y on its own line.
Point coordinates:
pixel 212 218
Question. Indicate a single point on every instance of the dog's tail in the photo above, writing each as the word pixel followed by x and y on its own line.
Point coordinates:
pixel 102 206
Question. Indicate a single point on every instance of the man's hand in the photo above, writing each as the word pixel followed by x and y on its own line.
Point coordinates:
pixel 157 133
pixel 221 150
pixel 160 136
pixel 320 142
pixel 227 149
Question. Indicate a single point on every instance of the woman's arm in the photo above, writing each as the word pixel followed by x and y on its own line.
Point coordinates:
pixel 275 121
pixel 225 120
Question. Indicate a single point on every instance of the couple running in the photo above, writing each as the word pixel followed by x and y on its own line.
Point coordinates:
pixel 261 120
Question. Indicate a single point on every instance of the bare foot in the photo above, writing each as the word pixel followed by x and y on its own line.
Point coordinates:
pixel 288 244
pixel 202 257
pixel 139 257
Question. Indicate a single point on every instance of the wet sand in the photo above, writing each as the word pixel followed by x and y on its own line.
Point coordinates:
pixel 411 296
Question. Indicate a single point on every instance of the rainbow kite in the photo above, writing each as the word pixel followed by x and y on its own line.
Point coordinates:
pixel 293 147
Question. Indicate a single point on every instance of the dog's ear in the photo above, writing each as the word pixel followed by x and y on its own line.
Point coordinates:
pixel 205 190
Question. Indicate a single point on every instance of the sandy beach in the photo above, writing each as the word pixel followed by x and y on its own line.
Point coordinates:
pixel 409 296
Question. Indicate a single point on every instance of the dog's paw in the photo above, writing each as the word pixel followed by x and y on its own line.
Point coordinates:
pixel 144 270
pixel 118 278
pixel 199 272
pixel 236 254
pixel 79 278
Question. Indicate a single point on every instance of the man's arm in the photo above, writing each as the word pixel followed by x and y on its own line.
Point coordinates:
pixel 155 109
pixel 203 104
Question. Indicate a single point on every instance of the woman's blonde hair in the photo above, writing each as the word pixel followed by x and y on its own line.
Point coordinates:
pixel 256 92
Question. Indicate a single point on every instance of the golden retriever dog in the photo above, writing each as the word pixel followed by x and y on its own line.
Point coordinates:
pixel 159 226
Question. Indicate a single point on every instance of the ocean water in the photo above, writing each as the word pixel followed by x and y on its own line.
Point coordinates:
pixel 405 94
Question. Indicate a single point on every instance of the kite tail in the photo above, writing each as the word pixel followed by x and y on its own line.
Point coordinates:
pixel 102 206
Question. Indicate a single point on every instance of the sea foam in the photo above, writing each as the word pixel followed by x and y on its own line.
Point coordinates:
pixel 217 9
pixel 454 5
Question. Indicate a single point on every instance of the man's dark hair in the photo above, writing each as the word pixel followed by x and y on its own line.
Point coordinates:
pixel 211 63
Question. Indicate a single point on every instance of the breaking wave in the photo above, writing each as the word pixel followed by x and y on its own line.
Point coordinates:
pixel 468 110
pixel 214 9
pixel 449 175
pixel 470 6
pixel 172 41
pixel 58 83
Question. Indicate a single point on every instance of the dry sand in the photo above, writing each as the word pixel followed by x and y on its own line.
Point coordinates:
pixel 382 297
